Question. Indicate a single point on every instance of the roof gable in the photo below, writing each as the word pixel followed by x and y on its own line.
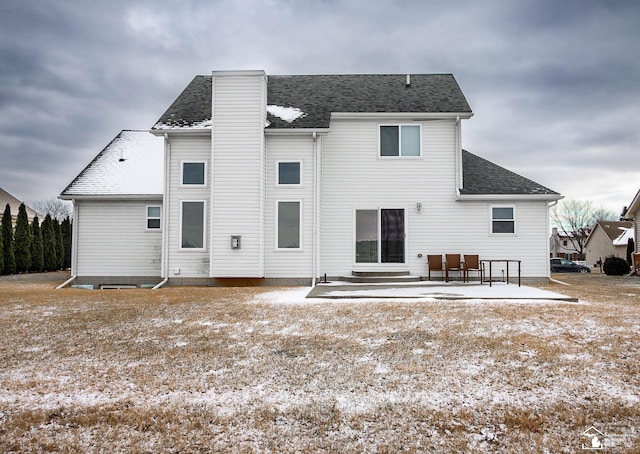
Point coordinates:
pixel 482 177
pixel 317 96
pixel 14 204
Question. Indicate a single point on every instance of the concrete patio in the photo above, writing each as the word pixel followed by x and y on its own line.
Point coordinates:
pixel 434 290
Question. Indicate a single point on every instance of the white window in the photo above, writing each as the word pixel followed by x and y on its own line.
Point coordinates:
pixel 194 173
pixel 192 224
pixel 503 219
pixel 289 219
pixel 289 173
pixel 400 140
pixel 153 217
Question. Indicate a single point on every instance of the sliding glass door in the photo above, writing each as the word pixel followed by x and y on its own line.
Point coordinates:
pixel 380 236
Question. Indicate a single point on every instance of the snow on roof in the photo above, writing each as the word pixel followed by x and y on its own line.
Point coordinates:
pixel 132 164
pixel 288 114
pixel 623 238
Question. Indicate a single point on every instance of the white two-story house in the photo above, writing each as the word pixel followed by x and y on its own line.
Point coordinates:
pixel 286 179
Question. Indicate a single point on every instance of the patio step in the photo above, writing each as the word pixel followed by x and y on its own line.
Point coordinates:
pixel 380 277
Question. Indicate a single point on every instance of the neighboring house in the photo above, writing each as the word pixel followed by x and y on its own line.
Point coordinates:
pixel 608 238
pixel 561 245
pixel 632 213
pixel 285 179
pixel 14 205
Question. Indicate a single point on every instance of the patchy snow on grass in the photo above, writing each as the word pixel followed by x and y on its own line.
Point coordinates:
pixel 264 370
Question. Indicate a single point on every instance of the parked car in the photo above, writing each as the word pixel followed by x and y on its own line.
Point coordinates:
pixel 567 266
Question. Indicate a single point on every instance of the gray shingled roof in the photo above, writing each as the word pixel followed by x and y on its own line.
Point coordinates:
pixel 482 177
pixel 320 95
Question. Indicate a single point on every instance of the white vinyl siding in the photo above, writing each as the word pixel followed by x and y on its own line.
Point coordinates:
pixel 112 239
pixel 237 173
pixel 289 262
pixel 356 178
pixel 186 262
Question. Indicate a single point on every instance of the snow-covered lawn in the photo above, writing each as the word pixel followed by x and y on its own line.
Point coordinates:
pixel 264 370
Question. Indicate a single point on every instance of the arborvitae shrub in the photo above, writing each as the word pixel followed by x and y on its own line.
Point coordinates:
pixel 615 266
pixel 7 240
pixel 22 241
pixel 37 251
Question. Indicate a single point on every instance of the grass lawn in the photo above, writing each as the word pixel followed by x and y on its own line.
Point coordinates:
pixel 263 370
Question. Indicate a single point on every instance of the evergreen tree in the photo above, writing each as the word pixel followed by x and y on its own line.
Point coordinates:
pixel 59 245
pixel 1 253
pixel 49 244
pixel 37 251
pixel 67 240
pixel 7 240
pixel 22 241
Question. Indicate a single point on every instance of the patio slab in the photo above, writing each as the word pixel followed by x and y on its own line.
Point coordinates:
pixel 431 290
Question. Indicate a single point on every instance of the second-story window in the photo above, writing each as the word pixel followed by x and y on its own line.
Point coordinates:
pixel 400 140
pixel 289 173
pixel 194 173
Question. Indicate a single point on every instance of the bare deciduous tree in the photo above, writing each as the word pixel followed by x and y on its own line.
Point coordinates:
pixel 56 208
pixel 575 219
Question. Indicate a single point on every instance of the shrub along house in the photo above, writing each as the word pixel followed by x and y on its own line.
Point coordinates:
pixel 283 179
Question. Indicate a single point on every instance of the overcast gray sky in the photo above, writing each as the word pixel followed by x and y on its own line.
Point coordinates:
pixel 554 85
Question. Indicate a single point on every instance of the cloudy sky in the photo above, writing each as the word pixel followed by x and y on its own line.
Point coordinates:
pixel 554 85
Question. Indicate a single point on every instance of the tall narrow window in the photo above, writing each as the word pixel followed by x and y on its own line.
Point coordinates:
pixel 153 218
pixel 192 225
pixel 401 140
pixel 193 173
pixel 503 220
pixel 288 225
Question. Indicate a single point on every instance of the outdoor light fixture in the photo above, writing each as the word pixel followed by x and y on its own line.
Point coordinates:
pixel 419 206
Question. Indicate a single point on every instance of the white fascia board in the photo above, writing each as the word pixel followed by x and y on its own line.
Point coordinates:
pixel 402 115
pixel 634 206
pixel 111 197
pixel 507 197
pixel 295 131
pixel 182 131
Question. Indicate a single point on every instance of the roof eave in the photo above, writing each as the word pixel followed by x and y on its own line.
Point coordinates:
pixel 181 131
pixel 508 197
pixel 295 131
pixel 110 196
pixel 634 206
pixel 402 115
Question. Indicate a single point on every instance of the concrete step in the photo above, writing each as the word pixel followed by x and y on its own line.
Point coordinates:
pixel 380 277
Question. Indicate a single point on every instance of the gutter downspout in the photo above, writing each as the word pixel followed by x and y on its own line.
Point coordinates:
pixel 314 264
pixel 74 247
pixel 458 146
pixel 164 272
pixel 66 283
pixel 160 284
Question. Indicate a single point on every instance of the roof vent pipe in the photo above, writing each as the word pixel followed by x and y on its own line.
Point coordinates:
pixel 408 80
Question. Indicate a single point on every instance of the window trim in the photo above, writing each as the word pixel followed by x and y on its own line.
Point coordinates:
pixel 399 126
pixel 147 218
pixel 289 185
pixel 300 225
pixel 204 226
pixel 492 220
pixel 192 185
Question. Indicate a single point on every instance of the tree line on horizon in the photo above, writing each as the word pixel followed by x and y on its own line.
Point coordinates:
pixel 35 247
